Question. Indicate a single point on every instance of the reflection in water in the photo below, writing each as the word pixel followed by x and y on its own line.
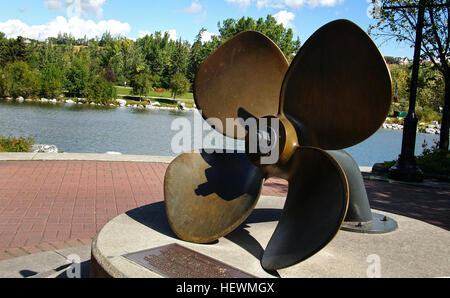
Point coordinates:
pixel 96 129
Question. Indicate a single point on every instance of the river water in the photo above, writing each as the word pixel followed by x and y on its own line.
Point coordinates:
pixel 95 129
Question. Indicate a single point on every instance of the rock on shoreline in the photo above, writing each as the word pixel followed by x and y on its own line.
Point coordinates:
pixel 42 148
pixel 434 128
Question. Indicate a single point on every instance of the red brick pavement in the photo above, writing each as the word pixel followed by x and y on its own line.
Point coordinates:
pixel 51 201
pixel 56 204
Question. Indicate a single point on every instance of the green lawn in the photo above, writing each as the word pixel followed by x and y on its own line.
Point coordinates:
pixel 165 94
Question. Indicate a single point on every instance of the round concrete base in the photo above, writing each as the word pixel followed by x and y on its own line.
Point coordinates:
pixel 415 249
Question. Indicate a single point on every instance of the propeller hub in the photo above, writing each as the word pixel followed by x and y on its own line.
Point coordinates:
pixel 272 144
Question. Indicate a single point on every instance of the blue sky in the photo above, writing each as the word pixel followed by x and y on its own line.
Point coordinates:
pixel 182 18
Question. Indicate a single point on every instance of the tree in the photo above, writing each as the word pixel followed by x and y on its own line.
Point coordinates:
pixel 102 91
pixel 77 78
pixel 52 78
pixel 195 56
pixel 20 80
pixel 141 83
pixel 2 83
pixel 112 61
pixel 276 32
pixel 179 85
pixel 178 53
pixel 12 50
pixel 155 48
pixel 400 25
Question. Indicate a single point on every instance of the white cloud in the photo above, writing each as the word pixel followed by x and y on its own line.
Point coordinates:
pixel 143 33
pixel 77 7
pixel 285 17
pixel 241 3
pixel 75 26
pixel 286 3
pixel 194 8
pixel 207 36
pixel 172 34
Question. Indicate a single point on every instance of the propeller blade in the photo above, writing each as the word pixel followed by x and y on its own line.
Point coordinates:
pixel 207 195
pixel 338 89
pixel 314 211
pixel 245 72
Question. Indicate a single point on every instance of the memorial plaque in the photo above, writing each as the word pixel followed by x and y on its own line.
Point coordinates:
pixel 176 261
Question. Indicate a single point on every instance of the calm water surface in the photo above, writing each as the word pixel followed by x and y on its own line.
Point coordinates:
pixel 93 129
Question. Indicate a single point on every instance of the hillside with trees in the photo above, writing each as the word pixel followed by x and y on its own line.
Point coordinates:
pixel 83 68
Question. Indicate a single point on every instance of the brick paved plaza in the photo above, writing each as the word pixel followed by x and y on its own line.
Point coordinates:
pixel 55 204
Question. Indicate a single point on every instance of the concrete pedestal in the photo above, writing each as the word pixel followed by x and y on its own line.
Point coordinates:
pixel 415 249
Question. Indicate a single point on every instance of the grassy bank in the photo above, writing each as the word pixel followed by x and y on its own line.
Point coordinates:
pixel 126 91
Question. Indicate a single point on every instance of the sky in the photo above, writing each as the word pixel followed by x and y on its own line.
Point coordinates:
pixel 39 19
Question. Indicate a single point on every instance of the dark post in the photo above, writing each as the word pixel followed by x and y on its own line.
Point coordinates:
pixel 406 168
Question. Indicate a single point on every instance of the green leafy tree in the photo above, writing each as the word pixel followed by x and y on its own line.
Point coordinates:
pixel 141 83
pixel 401 24
pixel 77 78
pixel 102 91
pixel 12 50
pixel 179 85
pixel 2 83
pixel 112 61
pixel 20 80
pixel 195 56
pixel 276 32
pixel 52 78
pixel 179 54
pixel 155 49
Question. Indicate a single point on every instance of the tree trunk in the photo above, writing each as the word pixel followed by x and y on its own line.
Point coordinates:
pixel 445 127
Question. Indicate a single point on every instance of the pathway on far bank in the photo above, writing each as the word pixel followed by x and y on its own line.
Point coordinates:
pixel 54 201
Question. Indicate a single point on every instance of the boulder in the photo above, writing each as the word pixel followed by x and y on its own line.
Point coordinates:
pixel 122 102
pixel 69 101
pixel 42 148
pixel 20 99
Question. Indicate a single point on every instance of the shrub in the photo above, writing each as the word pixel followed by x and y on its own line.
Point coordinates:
pixel 427 114
pixel 432 161
pixel 15 144
pixel 102 91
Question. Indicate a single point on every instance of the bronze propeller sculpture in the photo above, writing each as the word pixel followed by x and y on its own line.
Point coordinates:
pixel 335 94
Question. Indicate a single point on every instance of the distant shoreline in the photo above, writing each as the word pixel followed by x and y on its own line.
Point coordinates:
pixel 432 129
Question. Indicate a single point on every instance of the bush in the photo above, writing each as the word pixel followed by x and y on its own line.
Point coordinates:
pixel 432 161
pixel 102 91
pixel 399 121
pixel 15 144
pixel 427 114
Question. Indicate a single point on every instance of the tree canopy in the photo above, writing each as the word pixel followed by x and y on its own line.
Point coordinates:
pixel 400 25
